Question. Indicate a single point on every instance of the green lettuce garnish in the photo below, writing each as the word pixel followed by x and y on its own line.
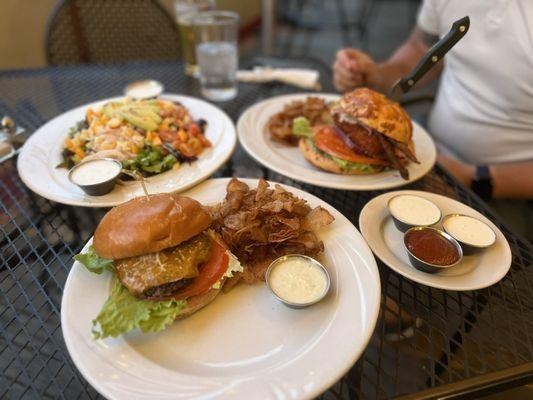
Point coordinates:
pixel 123 312
pixel 150 159
pixel 345 165
pixel 93 262
pixel 302 127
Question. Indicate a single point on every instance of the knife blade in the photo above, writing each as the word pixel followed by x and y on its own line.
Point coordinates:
pixel 432 57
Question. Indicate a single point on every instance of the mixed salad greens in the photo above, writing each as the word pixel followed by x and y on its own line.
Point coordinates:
pixel 147 136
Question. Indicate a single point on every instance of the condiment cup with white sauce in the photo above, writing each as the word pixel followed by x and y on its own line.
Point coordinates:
pixel 428 267
pixel 409 210
pixel 143 90
pixel 96 177
pixel 472 234
pixel 298 281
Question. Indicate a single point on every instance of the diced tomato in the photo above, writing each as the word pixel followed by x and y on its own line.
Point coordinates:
pixel 194 129
pixel 327 140
pixel 168 135
pixel 210 273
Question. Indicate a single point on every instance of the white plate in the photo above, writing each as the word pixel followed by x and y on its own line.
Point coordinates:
pixel 42 152
pixel 244 345
pixel 474 272
pixel 288 161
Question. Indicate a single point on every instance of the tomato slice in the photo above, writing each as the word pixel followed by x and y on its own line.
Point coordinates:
pixel 210 273
pixel 327 140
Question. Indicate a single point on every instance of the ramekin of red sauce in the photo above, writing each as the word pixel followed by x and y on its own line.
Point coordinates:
pixel 431 249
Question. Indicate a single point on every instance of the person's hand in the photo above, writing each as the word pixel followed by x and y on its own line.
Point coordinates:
pixel 461 171
pixel 353 68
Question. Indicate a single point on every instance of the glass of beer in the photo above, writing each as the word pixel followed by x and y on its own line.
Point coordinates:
pixel 186 10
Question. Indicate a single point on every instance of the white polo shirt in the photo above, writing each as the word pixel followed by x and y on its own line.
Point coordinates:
pixel 484 107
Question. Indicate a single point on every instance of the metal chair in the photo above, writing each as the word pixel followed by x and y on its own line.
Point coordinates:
pixel 110 31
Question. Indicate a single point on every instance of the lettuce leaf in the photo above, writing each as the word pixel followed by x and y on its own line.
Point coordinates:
pixel 93 262
pixel 346 165
pixel 123 312
pixel 302 127
pixel 343 164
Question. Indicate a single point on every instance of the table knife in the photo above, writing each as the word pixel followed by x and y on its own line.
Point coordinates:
pixel 432 57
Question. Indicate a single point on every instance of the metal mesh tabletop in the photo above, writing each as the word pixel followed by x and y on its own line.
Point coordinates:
pixel 463 337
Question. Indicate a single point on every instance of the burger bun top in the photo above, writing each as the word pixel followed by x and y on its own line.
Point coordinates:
pixel 149 224
pixel 375 111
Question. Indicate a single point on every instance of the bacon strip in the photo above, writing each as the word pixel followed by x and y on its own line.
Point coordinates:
pixel 389 150
pixel 405 150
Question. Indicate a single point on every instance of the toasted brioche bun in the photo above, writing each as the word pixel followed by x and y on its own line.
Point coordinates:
pixel 327 164
pixel 374 110
pixel 149 224
pixel 195 303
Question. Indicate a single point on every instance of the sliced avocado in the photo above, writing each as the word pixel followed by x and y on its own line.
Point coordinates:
pixel 149 113
pixel 110 109
pixel 143 114
pixel 139 120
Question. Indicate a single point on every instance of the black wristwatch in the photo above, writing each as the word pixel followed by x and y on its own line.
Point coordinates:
pixel 482 182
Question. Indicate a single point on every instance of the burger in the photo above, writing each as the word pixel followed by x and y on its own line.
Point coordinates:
pixel 166 261
pixel 368 133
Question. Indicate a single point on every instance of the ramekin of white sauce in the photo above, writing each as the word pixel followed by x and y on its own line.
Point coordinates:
pixel 144 89
pixel 96 177
pixel 298 280
pixel 409 210
pixel 471 233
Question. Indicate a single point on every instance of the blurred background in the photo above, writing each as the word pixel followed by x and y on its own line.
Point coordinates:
pixel 300 28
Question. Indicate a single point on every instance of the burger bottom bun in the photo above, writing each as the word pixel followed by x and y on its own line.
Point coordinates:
pixel 195 303
pixel 327 164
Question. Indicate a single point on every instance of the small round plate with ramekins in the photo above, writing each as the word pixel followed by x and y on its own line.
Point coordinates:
pixel 475 271
pixel 246 344
pixel 42 153
pixel 288 161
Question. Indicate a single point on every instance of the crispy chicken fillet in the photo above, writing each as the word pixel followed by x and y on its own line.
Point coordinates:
pixel 364 140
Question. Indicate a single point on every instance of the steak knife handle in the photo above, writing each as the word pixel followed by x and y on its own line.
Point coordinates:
pixel 436 53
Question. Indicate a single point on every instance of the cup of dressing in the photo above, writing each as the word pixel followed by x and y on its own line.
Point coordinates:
pixel 96 177
pixel 297 280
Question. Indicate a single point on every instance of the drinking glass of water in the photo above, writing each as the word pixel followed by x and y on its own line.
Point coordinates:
pixel 216 53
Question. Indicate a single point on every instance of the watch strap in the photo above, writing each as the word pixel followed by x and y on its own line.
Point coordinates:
pixel 482 182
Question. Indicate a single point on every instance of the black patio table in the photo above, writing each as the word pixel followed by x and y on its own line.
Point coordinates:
pixel 469 342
